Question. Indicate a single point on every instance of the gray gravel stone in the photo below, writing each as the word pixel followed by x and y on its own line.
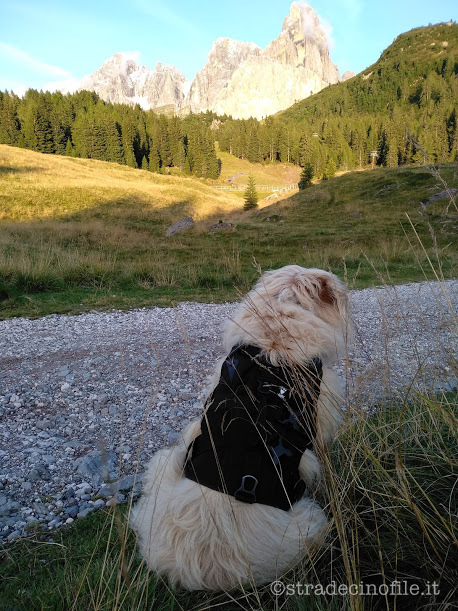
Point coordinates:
pixel 72 512
pixel 8 508
pixel 81 397
pixel 97 465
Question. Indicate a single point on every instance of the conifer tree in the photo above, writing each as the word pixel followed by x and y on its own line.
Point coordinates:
pixel 330 169
pixel 176 139
pixel 253 153
pixel 306 176
pixel 128 137
pixel 154 160
pixel 187 166
pixel 114 151
pixel 69 150
pixel 9 122
pixel 163 142
pixel 250 196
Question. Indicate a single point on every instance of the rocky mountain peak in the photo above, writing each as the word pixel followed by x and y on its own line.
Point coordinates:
pixel 225 57
pixel 291 67
pixel 303 23
pixel 121 80
pixel 120 63
pixel 239 78
pixel 303 42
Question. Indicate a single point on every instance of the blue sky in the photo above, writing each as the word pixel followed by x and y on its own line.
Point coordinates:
pixel 46 41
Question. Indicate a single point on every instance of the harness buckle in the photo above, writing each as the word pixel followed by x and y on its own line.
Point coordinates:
pixel 247 496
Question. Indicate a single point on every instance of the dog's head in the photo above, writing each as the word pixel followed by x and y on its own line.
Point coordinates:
pixel 314 290
pixel 293 313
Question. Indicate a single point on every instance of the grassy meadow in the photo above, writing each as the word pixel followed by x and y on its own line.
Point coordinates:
pixel 79 234
pixel 274 174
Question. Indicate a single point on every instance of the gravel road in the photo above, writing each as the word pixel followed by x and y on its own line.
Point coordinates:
pixel 86 400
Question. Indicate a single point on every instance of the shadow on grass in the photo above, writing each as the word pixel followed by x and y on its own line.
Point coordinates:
pixel 14 170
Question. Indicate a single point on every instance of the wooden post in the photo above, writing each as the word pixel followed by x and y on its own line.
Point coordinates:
pixel 374 155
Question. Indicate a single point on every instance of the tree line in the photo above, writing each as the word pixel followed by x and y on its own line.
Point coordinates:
pixel 83 125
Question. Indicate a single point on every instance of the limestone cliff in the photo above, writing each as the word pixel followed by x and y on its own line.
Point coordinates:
pixel 224 58
pixel 292 67
pixel 239 78
pixel 121 81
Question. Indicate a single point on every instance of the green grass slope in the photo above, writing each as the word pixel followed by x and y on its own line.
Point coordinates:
pixel 81 234
pixel 416 72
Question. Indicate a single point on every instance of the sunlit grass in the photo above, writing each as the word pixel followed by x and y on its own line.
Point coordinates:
pixel 77 234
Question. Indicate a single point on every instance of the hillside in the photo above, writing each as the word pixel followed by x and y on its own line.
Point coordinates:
pixel 417 70
pixel 413 85
pixel 81 234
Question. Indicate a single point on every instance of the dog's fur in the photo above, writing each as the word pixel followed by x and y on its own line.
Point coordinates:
pixel 203 539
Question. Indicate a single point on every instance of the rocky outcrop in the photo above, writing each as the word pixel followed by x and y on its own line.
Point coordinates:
pixel 348 74
pixel 121 81
pixel 223 60
pixel 239 78
pixel 179 226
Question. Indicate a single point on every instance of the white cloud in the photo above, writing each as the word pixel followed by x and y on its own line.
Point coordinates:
pixel 30 62
pixel 327 28
pixel 308 23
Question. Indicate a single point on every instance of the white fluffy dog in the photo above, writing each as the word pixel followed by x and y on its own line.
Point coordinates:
pixel 231 502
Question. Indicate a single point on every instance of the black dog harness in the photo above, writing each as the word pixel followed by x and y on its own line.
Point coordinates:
pixel 257 423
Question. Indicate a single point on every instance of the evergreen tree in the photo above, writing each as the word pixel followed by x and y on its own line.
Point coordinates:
pixel 305 149
pixel 253 149
pixel 79 135
pixel 330 169
pixel 177 149
pixel 187 166
pixel 69 150
pixel 306 176
pixel 38 130
pixel 114 150
pixel 9 121
pixel 250 196
pixel 212 164
pixel 128 138
pixel 163 142
pixel 154 160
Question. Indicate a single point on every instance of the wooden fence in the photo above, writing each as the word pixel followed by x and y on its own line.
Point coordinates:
pixel 260 188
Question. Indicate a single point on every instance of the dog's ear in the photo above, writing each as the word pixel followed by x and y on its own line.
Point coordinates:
pixel 326 291
pixel 323 290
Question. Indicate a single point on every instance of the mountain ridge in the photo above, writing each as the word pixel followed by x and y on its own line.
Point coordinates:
pixel 239 78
